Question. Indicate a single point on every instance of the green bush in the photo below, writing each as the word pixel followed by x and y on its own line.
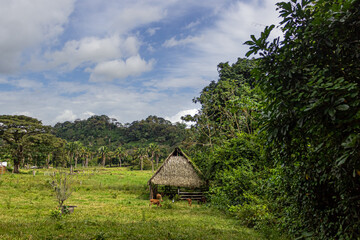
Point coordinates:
pixel 251 214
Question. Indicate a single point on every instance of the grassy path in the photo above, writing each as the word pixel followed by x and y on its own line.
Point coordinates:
pixel 111 204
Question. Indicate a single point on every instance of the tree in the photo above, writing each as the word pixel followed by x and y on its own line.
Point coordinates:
pixel 119 153
pixel 42 147
pixel 153 148
pixel 229 106
pixel 14 130
pixel 71 149
pixel 77 148
pixel 103 151
pixel 311 81
pixel 141 153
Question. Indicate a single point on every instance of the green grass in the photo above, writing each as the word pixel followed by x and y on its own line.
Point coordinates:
pixel 111 204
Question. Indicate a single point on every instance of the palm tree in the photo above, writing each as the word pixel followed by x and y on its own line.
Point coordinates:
pixel 70 147
pixel 86 155
pixel 158 154
pixel 119 153
pixel 141 152
pixel 153 147
pixel 77 151
pixel 103 150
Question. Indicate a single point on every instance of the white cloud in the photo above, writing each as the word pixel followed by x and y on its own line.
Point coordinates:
pixel 119 69
pixel 177 117
pixel 192 24
pixel 26 24
pixel 173 42
pixel 66 115
pixel 178 82
pixel 22 83
pixel 92 50
pixel 3 81
pixel 152 31
pixel 120 17
pixel 87 114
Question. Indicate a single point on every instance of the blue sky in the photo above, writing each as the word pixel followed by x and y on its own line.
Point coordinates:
pixel 63 60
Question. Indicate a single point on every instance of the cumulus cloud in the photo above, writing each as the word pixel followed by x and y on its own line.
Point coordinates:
pixel 89 50
pixel 66 115
pixel 27 24
pixel 82 46
pixel 95 17
pixel 119 69
pixel 177 116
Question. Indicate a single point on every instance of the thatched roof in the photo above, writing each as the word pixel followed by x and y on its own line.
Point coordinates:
pixel 177 170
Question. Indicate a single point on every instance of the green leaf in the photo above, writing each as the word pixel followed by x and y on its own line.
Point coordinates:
pixel 343 107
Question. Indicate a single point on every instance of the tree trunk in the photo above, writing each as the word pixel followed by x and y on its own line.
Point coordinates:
pixel 152 161
pixel 76 158
pixel 70 157
pixel 119 161
pixel 48 160
pixel 86 161
pixel 103 160
pixel 157 160
pixel 17 159
pixel 141 163
pixel 16 167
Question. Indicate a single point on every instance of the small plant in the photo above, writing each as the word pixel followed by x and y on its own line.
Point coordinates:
pixel 115 195
pixel 100 236
pixel 143 216
pixel 55 214
pixel 177 197
pixel 167 205
pixel 61 183
pixel 8 202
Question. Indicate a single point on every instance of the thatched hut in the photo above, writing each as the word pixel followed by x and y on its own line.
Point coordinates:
pixel 177 171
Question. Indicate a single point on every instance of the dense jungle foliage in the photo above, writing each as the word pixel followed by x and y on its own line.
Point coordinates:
pixel 277 137
pixel 101 130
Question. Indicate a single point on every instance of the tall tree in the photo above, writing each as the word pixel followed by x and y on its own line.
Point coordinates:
pixel 103 151
pixel 119 153
pixel 141 153
pixel 153 148
pixel 14 130
pixel 311 80
pixel 78 147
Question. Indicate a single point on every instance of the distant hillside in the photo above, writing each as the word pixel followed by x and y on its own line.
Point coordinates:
pixel 104 131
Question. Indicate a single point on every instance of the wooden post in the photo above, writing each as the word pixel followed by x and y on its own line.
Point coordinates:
pixel 151 192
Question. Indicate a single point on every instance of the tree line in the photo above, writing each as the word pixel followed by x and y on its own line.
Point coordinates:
pixel 98 140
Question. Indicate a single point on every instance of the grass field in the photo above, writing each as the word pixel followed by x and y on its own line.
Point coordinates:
pixel 111 204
